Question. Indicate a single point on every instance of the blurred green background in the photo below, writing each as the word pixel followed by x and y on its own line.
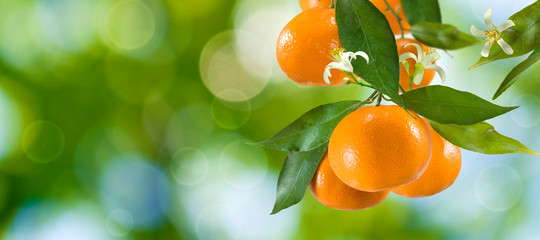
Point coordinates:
pixel 127 119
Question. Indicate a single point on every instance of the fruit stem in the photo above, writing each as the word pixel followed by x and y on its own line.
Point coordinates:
pixel 333 4
pixel 371 98
pixel 379 99
pixel 398 18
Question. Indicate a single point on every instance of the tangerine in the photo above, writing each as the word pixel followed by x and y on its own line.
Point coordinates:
pixel 379 148
pixel 308 4
pixel 304 47
pixel 442 171
pixel 332 192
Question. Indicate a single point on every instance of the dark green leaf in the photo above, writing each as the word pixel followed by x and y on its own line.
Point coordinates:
pixel 512 77
pixel 443 36
pixel 422 11
pixel 312 129
pixel 448 105
pixel 480 137
pixel 296 173
pixel 523 37
pixel 362 27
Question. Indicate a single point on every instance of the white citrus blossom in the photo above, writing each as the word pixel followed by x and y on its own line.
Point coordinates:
pixel 342 61
pixel 493 34
pixel 423 61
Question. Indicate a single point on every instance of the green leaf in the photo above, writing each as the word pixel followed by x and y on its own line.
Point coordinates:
pixel 296 173
pixel 443 36
pixel 312 129
pixel 422 11
pixel 447 105
pixel 362 27
pixel 480 137
pixel 512 77
pixel 523 37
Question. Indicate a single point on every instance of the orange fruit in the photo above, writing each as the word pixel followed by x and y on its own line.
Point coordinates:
pixel 404 80
pixel 308 4
pixel 305 44
pixel 379 148
pixel 332 192
pixel 442 171
pixel 396 6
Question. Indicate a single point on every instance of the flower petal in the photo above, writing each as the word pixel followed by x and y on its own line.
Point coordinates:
pixel 406 66
pixel 476 32
pixel 345 66
pixel 418 50
pixel 408 55
pixel 505 25
pixel 327 74
pixel 362 54
pixel 418 78
pixel 347 56
pixel 431 58
pixel 486 48
pixel 505 47
pixel 439 70
pixel 487 19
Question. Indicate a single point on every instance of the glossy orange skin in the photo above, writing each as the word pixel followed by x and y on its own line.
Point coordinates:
pixel 404 80
pixel 396 6
pixel 379 148
pixel 308 4
pixel 442 171
pixel 304 47
pixel 332 192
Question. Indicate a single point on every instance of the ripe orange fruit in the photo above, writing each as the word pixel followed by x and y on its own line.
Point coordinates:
pixel 442 171
pixel 396 6
pixel 305 44
pixel 332 192
pixel 379 148
pixel 308 4
pixel 404 80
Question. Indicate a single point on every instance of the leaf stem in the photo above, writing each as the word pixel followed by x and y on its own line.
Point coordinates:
pixel 351 75
pixel 398 18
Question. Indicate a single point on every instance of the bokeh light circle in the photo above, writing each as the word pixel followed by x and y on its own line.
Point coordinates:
pixel 498 187
pixel 265 19
pixel 19 45
pixel 43 141
pixel 189 166
pixel 119 222
pixel 131 183
pixel 69 25
pixel 230 115
pixel 44 220
pixel 235 60
pixel 130 24
pixel 243 166
pixel 528 115
pixel 218 222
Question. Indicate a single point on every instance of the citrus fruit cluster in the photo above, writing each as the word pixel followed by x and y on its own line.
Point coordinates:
pixel 375 149
pixel 378 149
pixel 307 41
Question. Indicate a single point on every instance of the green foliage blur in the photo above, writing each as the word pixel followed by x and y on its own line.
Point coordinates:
pixel 127 119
